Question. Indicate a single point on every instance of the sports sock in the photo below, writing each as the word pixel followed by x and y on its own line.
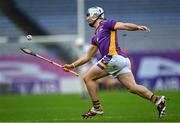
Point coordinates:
pixel 97 104
pixel 154 98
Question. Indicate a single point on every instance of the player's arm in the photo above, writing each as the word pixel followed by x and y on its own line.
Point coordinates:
pixel 84 59
pixel 130 27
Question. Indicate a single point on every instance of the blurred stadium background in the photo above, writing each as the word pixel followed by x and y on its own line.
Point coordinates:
pixel 58 25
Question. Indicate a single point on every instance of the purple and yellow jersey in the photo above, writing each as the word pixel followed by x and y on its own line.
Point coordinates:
pixel 106 39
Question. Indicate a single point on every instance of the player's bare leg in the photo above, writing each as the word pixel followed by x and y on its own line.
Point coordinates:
pixel 127 79
pixel 90 78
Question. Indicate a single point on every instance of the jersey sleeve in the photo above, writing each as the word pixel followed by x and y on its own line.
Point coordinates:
pixel 93 42
pixel 109 24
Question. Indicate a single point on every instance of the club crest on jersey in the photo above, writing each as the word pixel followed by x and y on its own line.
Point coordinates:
pixel 105 60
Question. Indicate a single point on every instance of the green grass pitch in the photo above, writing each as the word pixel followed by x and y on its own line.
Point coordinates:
pixel 118 106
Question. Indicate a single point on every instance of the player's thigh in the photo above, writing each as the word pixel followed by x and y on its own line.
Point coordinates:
pixel 95 73
pixel 127 79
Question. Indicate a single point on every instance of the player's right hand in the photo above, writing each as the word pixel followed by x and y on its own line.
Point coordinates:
pixel 144 28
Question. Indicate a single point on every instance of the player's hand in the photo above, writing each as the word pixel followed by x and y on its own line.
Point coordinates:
pixel 67 67
pixel 144 28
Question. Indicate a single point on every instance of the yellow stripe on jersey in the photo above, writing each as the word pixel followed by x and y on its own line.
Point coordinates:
pixel 102 64
pixel 112 46
pixel 115 26
pixel 92 45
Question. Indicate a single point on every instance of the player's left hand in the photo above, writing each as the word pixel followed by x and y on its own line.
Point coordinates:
pixel 67 67
pixel 144 28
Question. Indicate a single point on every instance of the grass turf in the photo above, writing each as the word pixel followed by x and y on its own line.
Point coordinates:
pixel 119 106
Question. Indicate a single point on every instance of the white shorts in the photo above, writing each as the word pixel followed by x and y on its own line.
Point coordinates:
pixel 115 65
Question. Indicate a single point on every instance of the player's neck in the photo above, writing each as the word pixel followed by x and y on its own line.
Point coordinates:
pixel 97 23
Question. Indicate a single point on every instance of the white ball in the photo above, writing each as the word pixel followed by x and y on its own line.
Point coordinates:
pixel 29 37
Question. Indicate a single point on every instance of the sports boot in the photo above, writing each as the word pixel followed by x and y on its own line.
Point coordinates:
pixel 161 106
pixel 93 112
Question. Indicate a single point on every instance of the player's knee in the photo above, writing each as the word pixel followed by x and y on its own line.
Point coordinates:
pixel 85 78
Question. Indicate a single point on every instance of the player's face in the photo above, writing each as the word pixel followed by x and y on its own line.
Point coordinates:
pixel 91 19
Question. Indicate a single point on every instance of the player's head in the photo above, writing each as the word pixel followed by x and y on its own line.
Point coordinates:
pixel 93 14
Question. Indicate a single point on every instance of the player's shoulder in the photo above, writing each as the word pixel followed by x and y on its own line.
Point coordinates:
pixel 109 24
pixel 109 21
pixel 93 39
